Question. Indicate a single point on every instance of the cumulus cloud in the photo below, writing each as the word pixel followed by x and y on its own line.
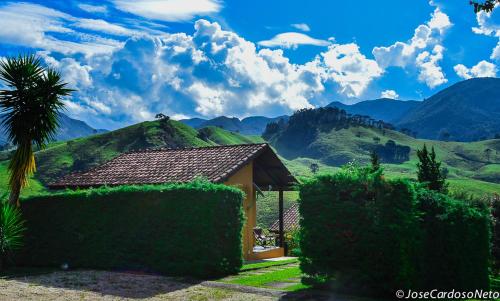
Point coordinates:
pixel 301 26
pixel 169 10
pixel 430 72
pixel 211 72
pixel 292 40
pixel 488 27
pixel 391 94
pixel 481 69
pixel 93 8
pixel 351 69
pixel 417 51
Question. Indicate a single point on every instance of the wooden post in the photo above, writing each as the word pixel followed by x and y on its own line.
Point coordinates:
pixel 281 225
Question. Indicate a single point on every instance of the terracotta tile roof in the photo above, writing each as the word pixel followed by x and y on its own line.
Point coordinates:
pixel 158 166
pixel 290 219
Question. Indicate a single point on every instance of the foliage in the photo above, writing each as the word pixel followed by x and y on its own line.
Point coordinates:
pixel 292 239
pixel 375 161
pixel 360 228
pixel 177 229
pixel 429 170
pixel 11 229
pixel 495 251
pixel 456 242
pixel 31 104
pixel 486 6
pixel 376 235
pixel 314 167
pixel 391 152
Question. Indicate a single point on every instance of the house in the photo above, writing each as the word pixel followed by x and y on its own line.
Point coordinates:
pixel 290 220
pixel 250 167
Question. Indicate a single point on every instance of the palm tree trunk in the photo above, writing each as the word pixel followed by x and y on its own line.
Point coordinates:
pixel 14 195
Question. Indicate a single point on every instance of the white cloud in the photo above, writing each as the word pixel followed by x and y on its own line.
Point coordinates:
pixel 481 69
pixel 416 51
pixel 301 26
pixel 429 70
pixel 347 66
pixel 488 27
pixel 212 72
pixel 292 40
pixel 33 25
pixel 104 27
pixel 93 8
pixel 169 10
pixel 391 94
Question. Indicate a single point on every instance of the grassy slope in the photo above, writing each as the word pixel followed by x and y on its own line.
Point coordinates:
pixel 59 158
pixel 467 164
pixel 469 169
pixel 223 137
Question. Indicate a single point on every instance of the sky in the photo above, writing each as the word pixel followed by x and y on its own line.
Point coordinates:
pixel 131 59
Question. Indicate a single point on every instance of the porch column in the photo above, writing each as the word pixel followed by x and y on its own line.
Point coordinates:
pixel 281 225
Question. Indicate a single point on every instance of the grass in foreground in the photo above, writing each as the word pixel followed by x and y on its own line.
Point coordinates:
pixel 266 264
pixel 265 280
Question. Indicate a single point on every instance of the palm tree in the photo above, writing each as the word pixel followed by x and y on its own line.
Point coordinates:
pixel 31 103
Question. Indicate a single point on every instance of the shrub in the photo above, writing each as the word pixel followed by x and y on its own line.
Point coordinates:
pixel 456 242
pixel 189 229
pixel 375 236
pixel 292 238
pixel 361 229
pixel 495 204
pixel 11 230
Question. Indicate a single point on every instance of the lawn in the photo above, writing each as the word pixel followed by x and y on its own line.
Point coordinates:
pixel 284 275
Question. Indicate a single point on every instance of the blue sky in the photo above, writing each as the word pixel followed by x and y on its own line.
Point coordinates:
pixel 130 59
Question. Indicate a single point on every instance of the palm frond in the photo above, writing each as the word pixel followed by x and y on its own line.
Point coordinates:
pixel 12 228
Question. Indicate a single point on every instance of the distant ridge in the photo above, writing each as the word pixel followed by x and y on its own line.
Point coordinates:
pixel 466 111
pixel 254 125
pixel 69 129
pixel 386 109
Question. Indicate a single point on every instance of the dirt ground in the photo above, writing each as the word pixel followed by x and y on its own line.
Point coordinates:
pixel 100 285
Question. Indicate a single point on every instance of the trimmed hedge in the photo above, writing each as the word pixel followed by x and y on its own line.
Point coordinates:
pixel 361 229
pixel 189 229
pixel 456 242
pixel 375 236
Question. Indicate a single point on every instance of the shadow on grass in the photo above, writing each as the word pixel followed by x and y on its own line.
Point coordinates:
pixel 129 284
pixel 321 295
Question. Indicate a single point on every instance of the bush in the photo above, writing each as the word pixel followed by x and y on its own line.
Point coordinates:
pixel 375 236
pixel 495 204
pixel 292 238
pixel 11 230
pixel 360 228
pixel 456 242
pixel 177 229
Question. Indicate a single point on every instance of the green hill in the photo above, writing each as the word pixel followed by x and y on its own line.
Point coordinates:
pixel 323 139
pixel 83 153
pixel 468 165
pixel 466 111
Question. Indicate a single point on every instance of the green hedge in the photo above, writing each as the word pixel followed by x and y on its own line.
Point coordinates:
pixel 456 242
pixel 178 229
pixel 375 236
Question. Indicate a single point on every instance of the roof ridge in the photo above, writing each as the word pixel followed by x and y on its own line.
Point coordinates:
pixel 157 149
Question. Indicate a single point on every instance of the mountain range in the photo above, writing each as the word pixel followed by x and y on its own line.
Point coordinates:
pixel 69 129
pixel 386 109
pixel 254 125
pixel 466 111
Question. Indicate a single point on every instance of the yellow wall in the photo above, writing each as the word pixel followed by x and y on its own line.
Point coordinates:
pixel 243 179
